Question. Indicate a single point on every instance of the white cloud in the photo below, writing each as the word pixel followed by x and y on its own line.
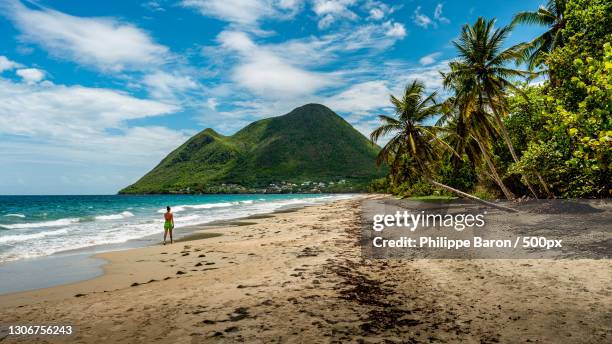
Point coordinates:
pixel 361 98
pixel 6 64
pixel 378 10
pixel 425 21
pixel 376 14
pixel 429 59
pixel 238 11
pixel 319 51
pixel 395 30
pixel 421 19
pixel 244 12
pixel 292 5
pixel 271 77
pixel 163 85
pixel 265 73
pixel 236 40
pixel 438 14
pixel 328 11
pixel 212 103
pixel 153 6
pixel 31 75
pixel 377 37
pixel 429 75
pixel 50 132
pixel 104 43
pixel 266 79
pixel 69 111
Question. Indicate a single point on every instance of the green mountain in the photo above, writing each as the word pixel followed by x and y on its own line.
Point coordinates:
pixel 309 144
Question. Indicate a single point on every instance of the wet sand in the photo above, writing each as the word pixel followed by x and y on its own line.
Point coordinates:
pixel 300 277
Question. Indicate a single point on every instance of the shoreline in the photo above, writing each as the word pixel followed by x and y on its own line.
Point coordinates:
pixel 102 223
pixel 113 267
pixel 300 276
pixel 61 269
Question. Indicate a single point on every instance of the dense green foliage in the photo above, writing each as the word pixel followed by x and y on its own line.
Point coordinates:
pixel 504 133
pixel 565 124
pixel 311 143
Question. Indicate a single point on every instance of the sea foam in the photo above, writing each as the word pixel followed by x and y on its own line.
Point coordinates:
pixel 54 223
pixel 10 239
pixel 15 215
pixel 119 216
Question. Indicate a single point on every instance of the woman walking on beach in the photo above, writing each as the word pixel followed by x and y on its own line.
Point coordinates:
pixel 168 224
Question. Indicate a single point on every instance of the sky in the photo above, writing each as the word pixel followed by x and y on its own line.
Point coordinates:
pixel 94 94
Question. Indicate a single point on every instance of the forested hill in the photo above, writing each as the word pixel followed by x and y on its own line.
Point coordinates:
pixel 310 149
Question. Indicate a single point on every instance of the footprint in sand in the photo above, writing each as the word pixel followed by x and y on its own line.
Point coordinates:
pixel 239 314
pixel 267 303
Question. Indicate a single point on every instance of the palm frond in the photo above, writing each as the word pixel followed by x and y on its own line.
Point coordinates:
pixel 532 18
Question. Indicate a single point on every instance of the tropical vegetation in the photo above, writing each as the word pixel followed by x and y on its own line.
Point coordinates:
pixel 530 120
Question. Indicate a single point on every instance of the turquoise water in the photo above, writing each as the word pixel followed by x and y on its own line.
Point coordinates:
pixel 35 226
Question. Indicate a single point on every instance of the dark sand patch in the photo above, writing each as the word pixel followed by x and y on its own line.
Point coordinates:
pixel 287 211
pixel 259 216
pixel 198 236
pixel 240 223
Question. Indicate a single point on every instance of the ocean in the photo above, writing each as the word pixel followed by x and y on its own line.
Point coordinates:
pixel 37 226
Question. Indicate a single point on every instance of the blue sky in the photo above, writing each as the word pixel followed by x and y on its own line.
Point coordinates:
pixel 95 94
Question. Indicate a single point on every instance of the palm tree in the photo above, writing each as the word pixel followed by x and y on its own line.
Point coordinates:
pixel 415 146
pixel 534 53
pixel 481 73
pixel 470 132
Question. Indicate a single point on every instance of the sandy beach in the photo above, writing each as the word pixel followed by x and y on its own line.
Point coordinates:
pixel 299 276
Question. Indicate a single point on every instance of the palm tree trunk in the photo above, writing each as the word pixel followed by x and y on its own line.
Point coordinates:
pixel 508 142
pixel 466 195
pixel 509 195
pixel 546 189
